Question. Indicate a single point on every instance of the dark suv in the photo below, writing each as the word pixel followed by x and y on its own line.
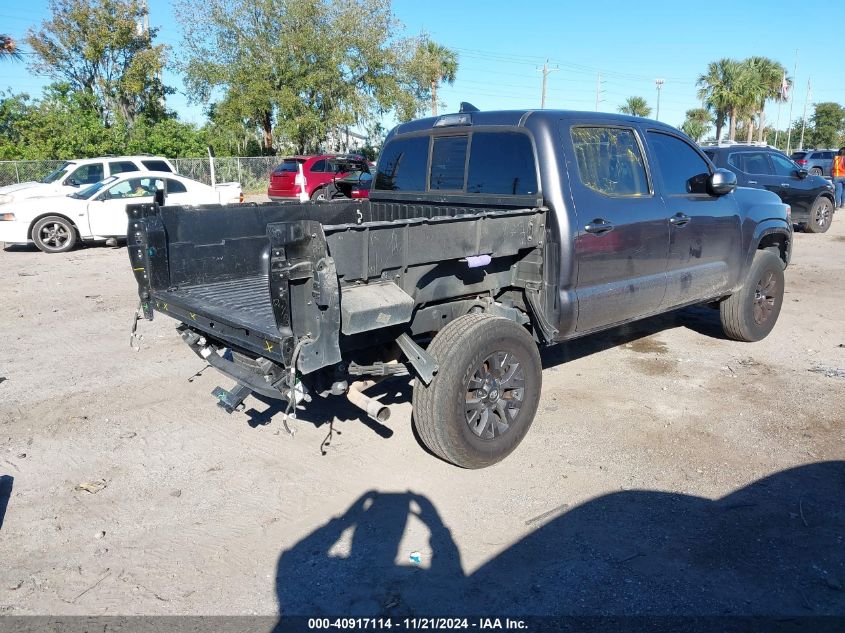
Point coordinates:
pixel 810 197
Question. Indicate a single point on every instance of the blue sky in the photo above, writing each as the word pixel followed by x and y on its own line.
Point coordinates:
pixel 501 44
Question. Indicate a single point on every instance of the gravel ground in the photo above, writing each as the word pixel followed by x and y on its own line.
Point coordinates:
pixel 668 471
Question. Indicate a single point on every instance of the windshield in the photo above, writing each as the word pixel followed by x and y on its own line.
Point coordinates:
pixel 54 176
pixel 86 193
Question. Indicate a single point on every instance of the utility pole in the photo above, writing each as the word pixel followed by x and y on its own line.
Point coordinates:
pixel 599 90
pixel 804 117
pixel 545 70
pixel 659 83
pixel 791 102
pixel 784 92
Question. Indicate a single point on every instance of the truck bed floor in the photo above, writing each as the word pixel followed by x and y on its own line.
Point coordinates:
pixel 242 302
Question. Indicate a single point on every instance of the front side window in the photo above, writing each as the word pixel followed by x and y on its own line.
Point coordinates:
pixel 86 174
pixel 501 163
pixel 134 188
pixel 401 166
pixel 783 166
pixel 751 163
pixel 682 170
pixel 609 161
pixel 448 160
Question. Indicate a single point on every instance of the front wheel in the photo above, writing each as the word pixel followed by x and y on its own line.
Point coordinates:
pixel 821 215
pixel 54 234
pixel 750 314
pixel 482 401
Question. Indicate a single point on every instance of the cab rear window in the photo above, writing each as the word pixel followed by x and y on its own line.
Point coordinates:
pixel 500 163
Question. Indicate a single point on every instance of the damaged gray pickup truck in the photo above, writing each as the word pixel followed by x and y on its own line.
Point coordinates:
pixel 486 235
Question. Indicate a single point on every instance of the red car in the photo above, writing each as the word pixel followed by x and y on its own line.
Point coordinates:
pixel 319 171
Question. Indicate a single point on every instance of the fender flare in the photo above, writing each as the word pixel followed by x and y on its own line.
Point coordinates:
pixel 773 226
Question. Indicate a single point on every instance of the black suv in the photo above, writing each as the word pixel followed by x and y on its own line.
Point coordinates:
pixel 811 197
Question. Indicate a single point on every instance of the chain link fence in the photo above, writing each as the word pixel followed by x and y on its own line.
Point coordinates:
pixel 253 172
pixel 15 171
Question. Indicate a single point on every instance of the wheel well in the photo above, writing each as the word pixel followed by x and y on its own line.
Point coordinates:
pixel 776 243
pixel 47 215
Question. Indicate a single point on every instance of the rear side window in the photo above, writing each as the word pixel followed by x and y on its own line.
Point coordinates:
pixel 448 161
pixel 682 170
pixel 121 166
pixel 501 163
pixel 609 161
pixel 751 163
pixel 156 165
pixel 289 166
pixel 319 166
pixel 174 186
pixel 402 164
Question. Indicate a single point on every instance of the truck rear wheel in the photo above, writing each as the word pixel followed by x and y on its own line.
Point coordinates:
pixel 481 403
pixel 750 314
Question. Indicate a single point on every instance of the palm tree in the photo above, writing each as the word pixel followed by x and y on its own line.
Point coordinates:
pixel 723 90
pixel 9 48
pixel 437 64
pixel 697 123
pixel 635 106
pixel 767 82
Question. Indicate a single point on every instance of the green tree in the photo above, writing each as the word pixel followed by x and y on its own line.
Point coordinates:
pixel 434 64
pixel 767 77
pixel 724 90
pixel 9 48
pixel 697 123
pixel 101 48
pixel 635 106
pixel 826 124
pixel 301 68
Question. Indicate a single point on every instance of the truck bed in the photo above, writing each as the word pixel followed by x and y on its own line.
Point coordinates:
pixel 243 303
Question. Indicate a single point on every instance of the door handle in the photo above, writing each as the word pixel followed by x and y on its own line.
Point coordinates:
pixel 679 219
pixel 598 227
pixel 752 182
pixel 784 184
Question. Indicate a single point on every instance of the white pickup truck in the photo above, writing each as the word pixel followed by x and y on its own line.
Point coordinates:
pixel 56 223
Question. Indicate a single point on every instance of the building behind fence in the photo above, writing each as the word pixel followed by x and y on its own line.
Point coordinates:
pixel 253 172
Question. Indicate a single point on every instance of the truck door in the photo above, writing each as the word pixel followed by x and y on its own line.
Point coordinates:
pixel 622 239
pixel 704 231
pixel 799 192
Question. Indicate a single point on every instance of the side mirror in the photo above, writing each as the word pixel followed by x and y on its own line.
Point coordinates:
pixel 721 182
pixel 73 182
pixel 802 173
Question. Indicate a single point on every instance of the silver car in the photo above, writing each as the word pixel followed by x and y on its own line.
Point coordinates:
pixel 816 161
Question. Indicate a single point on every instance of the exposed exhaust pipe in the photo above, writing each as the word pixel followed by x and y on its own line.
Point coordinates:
pixel 374 409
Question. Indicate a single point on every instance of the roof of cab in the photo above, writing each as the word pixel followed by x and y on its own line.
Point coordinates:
pixel 518 118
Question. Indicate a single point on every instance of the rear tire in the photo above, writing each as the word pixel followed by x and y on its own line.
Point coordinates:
pixel 482 401
pixel 815 171
pixel 318 195
pixel 821 215
pixel 54 234
pixel 750 314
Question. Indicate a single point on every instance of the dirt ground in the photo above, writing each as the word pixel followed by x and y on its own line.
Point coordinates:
pixel 668 471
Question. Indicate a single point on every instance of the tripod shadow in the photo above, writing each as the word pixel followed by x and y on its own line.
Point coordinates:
pixel 775 547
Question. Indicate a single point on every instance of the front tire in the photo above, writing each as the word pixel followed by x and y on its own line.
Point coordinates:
pixel 821 215
pixel 54 234
pixel 482 401
pixel 750 314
